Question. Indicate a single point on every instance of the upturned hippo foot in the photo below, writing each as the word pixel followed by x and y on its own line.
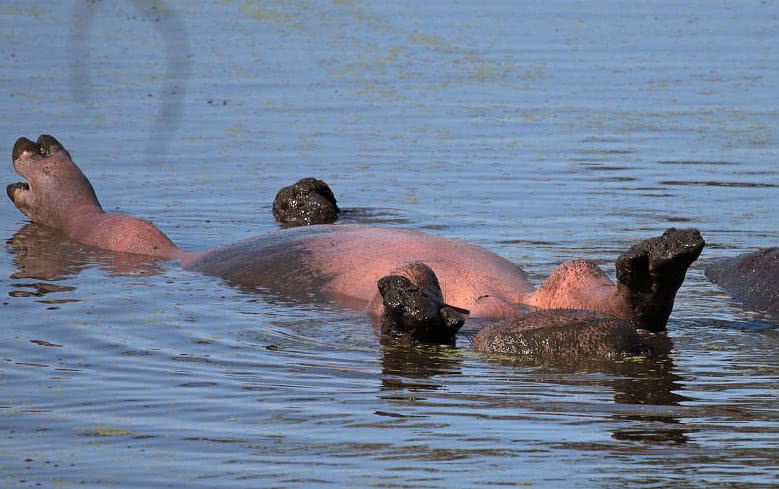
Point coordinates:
pixel 44 147
pixel 650 273
pixel 555 335
pixel 309 201
pixel 413 306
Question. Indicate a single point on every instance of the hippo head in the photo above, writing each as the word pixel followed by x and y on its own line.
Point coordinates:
pixel 54 185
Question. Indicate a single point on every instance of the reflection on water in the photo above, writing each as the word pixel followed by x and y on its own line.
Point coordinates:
pixel 176 72
pixel 544 133
pixel 44 253
pixel 410 366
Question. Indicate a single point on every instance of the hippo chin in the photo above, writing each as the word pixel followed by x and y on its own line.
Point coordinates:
pixel 415 284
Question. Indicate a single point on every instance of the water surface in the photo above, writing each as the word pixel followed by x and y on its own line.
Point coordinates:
pixel 543 131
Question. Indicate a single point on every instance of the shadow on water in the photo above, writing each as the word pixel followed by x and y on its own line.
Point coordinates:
pixel 177 64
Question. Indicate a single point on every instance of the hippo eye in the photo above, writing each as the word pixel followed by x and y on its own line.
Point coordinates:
pixel 45 170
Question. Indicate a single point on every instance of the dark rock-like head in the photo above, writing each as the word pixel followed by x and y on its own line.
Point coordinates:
pixel 53 184
pixel 309 201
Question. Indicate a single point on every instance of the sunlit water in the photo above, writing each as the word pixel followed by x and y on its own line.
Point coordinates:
pixel 540 130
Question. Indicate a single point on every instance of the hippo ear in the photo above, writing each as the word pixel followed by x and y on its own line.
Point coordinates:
pixel 21 146
pixel 48 145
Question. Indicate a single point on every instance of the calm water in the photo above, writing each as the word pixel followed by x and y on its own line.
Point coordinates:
pixel 540 130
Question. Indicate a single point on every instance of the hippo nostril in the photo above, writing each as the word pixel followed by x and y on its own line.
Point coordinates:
pixel 21 146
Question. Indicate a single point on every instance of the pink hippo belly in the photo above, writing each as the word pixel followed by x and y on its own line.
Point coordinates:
pixel 344 262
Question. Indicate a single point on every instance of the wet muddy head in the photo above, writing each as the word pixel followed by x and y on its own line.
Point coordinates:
pixel 309 201
pixel 53 184
pixel 413 306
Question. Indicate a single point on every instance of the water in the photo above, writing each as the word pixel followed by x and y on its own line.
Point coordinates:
pixel 542 131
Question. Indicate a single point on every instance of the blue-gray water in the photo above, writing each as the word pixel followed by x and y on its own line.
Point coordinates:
pixel 540 130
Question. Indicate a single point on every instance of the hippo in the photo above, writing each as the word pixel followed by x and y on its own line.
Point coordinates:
pixel 413 283
pixel 751 278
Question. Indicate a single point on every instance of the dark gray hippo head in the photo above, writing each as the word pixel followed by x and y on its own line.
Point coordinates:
pixel 751 279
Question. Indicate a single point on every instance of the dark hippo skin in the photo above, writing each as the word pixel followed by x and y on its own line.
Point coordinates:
pixel 554 335
pixel 752 279
pixel 344 263
pixel 309 201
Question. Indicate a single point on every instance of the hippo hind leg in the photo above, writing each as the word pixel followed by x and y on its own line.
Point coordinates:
pixel 650 273
pixel 413 306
